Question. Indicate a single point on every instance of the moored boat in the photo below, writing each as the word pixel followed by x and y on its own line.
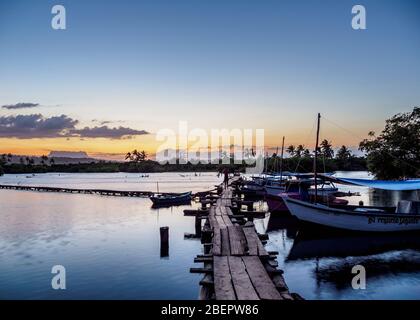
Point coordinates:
pixel 159 199
pixel 405 217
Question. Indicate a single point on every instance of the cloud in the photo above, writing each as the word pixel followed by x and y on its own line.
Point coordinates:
pixel 107 121
pixel 37 126
pixel 107 132
pixel 20 105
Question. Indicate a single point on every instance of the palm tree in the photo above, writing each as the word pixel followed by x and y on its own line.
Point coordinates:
pixel 299 150
pixel 143 155
pixel 326 149
pixel 43 159
pixel 343 153
pixel 136 156
pixel 291 150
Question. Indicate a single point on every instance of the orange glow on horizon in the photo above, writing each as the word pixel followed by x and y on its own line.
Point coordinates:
pixel 104 146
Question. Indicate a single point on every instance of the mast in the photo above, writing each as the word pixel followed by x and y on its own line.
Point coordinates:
pixel 316 156
pixel 281 161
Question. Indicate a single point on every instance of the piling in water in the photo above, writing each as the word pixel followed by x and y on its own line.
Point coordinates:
pixel 164 242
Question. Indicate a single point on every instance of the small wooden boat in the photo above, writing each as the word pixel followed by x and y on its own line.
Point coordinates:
pixel 159 199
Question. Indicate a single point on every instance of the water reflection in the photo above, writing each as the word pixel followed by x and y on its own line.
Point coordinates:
pixel 379 267
pixel 310 243
pixel 110 246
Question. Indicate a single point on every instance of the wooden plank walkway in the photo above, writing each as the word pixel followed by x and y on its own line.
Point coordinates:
pixel 238 263
pixel 102 192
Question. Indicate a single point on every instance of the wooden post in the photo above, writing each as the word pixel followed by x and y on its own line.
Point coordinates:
pixel 197 226
pixel 281 161
pixel 164 242
pixel 203 205
pixel 250 206
pixel 316 157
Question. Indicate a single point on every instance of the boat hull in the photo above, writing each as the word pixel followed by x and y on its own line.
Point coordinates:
pixel 276 204
pixel 171 200
pixel 348 220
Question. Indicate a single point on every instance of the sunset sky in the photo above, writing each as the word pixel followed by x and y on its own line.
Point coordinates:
pixel 123 70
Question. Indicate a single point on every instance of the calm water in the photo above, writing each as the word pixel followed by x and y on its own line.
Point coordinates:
pixel 110 245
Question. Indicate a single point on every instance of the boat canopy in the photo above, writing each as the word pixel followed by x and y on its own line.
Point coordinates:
pixel 296 174
pixel 402 185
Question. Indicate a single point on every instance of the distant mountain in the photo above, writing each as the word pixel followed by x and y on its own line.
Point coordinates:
pixel 68 154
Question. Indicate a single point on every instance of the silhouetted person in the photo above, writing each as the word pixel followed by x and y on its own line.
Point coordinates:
pixel 226 177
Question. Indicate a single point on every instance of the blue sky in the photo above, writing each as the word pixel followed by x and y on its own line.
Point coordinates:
pixel 231 63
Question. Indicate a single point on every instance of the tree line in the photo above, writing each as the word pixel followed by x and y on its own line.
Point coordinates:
pixel 393 154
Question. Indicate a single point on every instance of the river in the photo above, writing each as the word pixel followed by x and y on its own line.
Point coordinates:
pixel 110 246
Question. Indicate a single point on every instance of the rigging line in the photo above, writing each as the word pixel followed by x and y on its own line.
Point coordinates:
pixel 357 136
pixel 325 170
pixel 300 158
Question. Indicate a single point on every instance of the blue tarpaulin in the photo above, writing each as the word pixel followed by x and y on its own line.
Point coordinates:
pixel 382 184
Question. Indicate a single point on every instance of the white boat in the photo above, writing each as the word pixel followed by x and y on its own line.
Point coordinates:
pixel 405 217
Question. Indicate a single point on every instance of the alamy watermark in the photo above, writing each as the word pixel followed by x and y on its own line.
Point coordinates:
pixel 58 282
pixel 359 280
pixel 58 21
pixel 358 22
pixel 237 146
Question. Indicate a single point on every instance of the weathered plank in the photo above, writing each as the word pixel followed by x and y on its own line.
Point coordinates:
pixel 227 221
pixel 222 279
pixel 255 245
pixel 217 242
pixel 221 222
pixel 237 241
pixel 213 222
pixel 280 284
pixel 260 279
pixel 229 211
pixel 262 253
pixel 241 282
pixel 223 211
pixel 225 242
pixel 251 239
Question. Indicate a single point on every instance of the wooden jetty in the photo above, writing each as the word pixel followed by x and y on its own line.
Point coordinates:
pixel 236 264
pixel 103 192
